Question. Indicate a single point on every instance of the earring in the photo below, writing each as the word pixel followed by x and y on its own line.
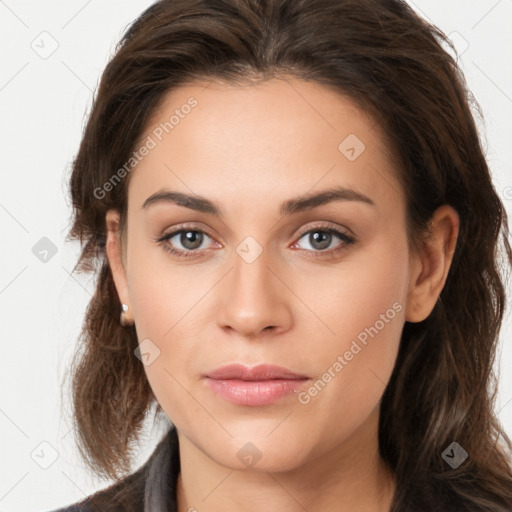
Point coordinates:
pixel 123 319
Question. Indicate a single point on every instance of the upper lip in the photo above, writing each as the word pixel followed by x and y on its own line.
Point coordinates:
pixel 259 372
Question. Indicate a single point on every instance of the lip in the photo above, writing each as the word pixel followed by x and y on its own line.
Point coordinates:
pixel 259 372
pixel 261 385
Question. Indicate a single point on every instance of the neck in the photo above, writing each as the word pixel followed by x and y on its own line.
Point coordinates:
pixel 350 478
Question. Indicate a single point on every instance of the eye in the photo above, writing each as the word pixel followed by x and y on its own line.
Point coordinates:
pixel 321 239
pixel 190 239
pixel 194 241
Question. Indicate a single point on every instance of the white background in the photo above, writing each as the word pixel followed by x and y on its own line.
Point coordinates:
pixel 43 106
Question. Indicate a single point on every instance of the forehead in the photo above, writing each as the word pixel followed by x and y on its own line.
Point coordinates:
pixel 279 138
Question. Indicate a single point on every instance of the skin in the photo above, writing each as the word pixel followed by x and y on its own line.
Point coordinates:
pixel 249 148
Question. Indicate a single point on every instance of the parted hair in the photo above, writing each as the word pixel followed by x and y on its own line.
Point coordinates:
pixel 401 70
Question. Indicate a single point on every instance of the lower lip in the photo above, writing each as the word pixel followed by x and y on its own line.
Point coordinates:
pixel 254 392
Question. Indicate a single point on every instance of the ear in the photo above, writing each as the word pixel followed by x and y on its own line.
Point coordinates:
pixel 430 267
pixel 114 252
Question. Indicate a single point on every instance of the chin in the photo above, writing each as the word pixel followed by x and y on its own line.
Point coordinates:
pixel 256 450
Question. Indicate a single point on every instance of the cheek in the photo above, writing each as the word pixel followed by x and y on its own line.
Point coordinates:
pixel 367 289
pixel 157 288
pixel 166 304
pixel 164 328
pixel 361 306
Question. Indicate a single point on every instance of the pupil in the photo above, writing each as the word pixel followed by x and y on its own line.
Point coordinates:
pixel 189 239
pixel 323 237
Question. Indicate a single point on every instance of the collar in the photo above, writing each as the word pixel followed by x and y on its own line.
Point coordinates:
pixel 162 476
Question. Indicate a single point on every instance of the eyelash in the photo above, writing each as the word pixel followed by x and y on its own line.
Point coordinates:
pixel 348 240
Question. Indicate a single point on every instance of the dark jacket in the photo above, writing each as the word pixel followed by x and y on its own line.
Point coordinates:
pixel 151 488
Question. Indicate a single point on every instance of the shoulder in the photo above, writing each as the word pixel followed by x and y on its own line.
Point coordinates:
pixel 154 482
pixel 125 495
pixel 73 508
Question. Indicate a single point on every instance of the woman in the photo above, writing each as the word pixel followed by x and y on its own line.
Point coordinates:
pixel 289 204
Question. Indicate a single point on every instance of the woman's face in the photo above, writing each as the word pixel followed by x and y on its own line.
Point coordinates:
pixel 264 281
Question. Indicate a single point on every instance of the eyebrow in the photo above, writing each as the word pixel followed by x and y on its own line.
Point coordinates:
pixel 290 206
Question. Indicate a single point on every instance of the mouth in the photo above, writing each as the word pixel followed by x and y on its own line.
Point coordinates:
pixel 261 385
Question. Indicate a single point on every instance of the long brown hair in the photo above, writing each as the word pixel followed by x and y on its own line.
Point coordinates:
pixel 393 64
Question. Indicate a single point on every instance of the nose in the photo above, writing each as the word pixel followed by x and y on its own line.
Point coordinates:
pixel 255 298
